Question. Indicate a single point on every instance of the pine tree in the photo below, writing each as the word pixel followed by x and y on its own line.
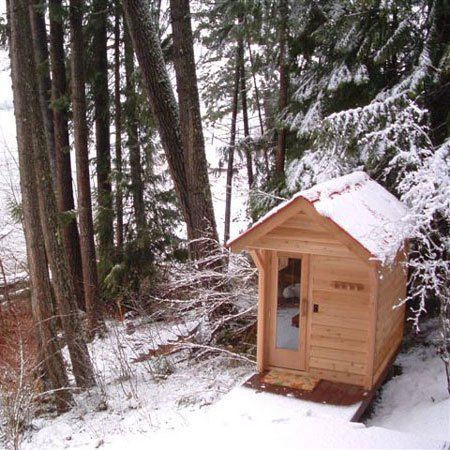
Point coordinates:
pixel 284 81
pixel 165 111
pixel 118 131
pixel 40 45
pixel 37 261
pixel 90 276
pixel 196 168
pixel 63 182
pixel 105 215
pixel 64 288
pixel 137 188
pixel 230 167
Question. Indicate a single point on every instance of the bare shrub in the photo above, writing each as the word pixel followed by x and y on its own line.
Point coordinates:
pixel 215 298
pixel 19 382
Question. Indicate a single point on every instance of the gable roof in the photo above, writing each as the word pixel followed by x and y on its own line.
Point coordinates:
pixel 359 206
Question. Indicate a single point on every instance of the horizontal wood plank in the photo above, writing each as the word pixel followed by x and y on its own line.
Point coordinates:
pixel 343 310
pixel 344 298
pixel 342 322
pixel 338 332
pixel 342 377
pixel 338 354
pixel 338 366
pixel 339 343
pixel 302 234
pixel 315 248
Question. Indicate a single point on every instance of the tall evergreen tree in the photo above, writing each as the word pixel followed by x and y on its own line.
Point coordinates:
pixel 283 93
pixel 118 130
pixel 63 183
pixel 90 277
pixel 243 95
pixel 137 188
pixel 40 45
pixel 196 166
pixel 64 288
pixel 230 167
pixel 105 214
pixel 196 212
pixel 37 261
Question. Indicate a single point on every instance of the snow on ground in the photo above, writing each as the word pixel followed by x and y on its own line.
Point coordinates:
pixel 179 402
pixel 246 419
pixel 137 397
pixel 416 401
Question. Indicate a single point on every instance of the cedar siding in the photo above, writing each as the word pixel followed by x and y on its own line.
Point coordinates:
pixel 346 232
pixel 390 320
pixel 302 233
pixel 338 341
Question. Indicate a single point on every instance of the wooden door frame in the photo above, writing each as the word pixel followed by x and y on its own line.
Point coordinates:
pixel 286 355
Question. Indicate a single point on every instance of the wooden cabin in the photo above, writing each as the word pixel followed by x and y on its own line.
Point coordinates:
pixel 330 273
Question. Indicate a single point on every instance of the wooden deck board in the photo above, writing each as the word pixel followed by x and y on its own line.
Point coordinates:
pixel 327 392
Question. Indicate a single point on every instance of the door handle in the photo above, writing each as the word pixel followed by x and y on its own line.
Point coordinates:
pixel 304 307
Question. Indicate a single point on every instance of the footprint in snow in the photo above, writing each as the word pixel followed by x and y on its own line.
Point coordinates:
pixel 282 420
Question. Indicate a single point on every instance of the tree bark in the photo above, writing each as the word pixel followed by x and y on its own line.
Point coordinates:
pixel 118 130
pixel 165 110
pixel 37 261
pixel 137 188
pixel 24 64
pixel 255 85
pixel 258 106
pixel 64 189
pixel 437 100
pixel 90 277
pixel 229 185
pixel 191 124
pixel 105 215
pixel 40 45
pixel 243 91
pixel 283 96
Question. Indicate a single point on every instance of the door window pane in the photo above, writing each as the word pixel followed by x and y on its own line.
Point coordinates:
pixel 288 303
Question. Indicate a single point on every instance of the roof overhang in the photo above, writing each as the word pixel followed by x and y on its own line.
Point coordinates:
pixel 290 208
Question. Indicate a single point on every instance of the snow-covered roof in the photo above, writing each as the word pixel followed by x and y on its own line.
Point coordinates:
pixel 361 207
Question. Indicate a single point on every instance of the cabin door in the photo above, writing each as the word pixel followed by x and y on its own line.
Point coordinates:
pixel 288 309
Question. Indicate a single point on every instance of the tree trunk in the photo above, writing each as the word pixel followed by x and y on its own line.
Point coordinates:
pixel 40 45
pixel 437 100
pixel 64 189
pixel 90 278
pixel 37 261
pixel 26 85
pixel 191 124
pixel 164 108
pixel 229 185
pixel 258 106
pixel 118 130
pixel 283 96
pixel 105 215
pixel 248 155
pixel 255 85
pixel 137 188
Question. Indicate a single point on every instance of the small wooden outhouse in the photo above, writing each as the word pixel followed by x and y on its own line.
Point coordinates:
pixel 330 278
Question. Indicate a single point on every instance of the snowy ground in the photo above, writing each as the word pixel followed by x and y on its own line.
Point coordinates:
pixel 199 404
pixel 245 419
pixel 416 401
